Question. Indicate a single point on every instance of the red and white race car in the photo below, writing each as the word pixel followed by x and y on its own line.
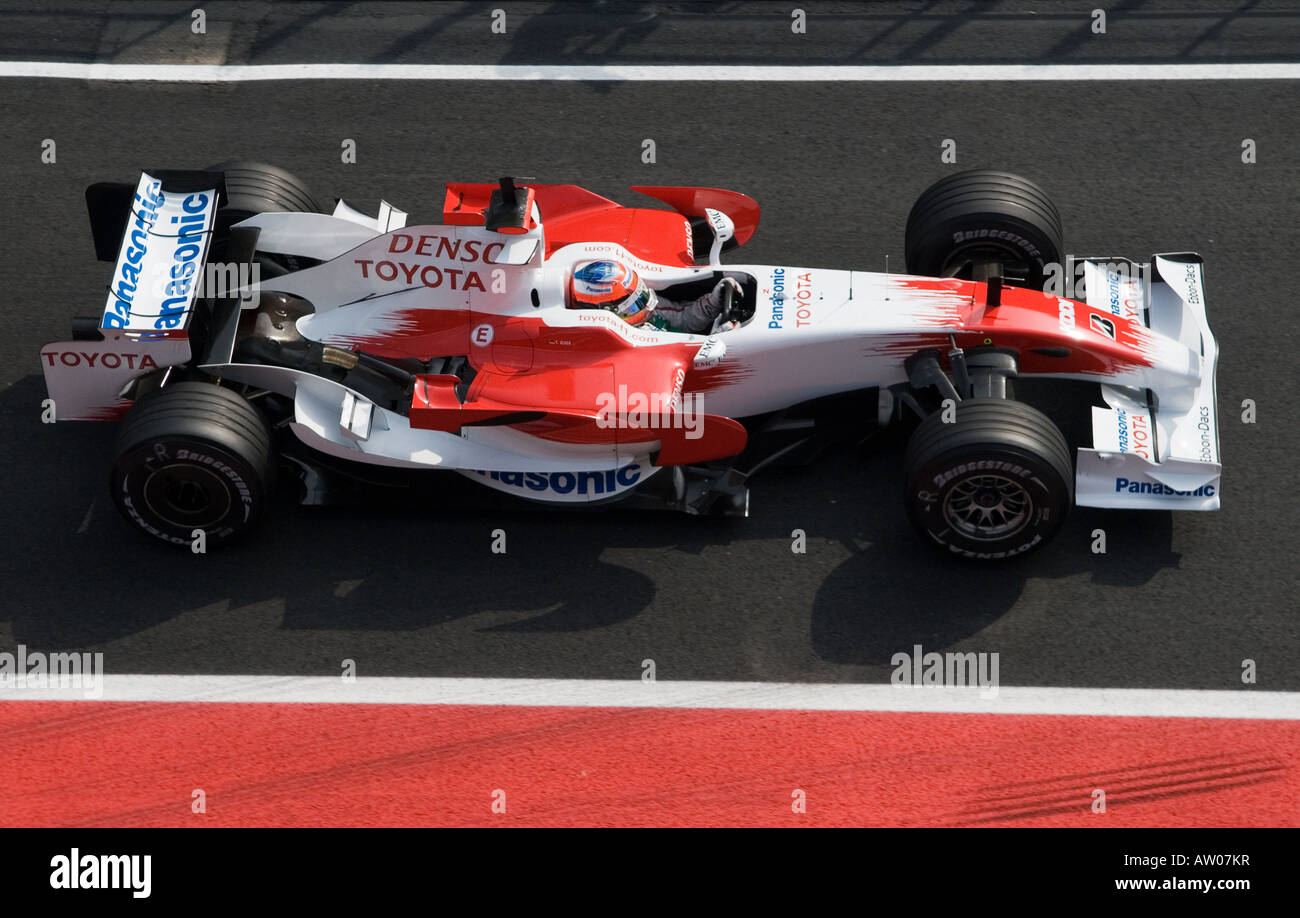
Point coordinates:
pixel 457 346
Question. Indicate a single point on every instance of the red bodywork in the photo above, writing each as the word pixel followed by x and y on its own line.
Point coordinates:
pixel 741 208
pixel 548 382
pixel 528 364
pixel 571 214
pixel 1030 322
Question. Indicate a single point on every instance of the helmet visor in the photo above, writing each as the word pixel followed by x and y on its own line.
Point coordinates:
pixel 636 307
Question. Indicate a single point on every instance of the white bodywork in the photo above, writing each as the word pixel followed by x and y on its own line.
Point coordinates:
pixel 151 295
pixel 1162 452
pixel 814 333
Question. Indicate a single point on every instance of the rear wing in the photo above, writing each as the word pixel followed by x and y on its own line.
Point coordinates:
pixel 1155 448
pixel 157 233
pixel 164 232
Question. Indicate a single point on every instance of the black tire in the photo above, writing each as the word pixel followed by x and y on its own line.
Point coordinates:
pixel 983 217
pixel 189 456
pixel 994 450
pixel 255 188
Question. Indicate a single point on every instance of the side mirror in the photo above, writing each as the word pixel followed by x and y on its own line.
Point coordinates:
pixel 723 229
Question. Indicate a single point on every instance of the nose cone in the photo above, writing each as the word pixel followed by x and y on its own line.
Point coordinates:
pixel 1060 336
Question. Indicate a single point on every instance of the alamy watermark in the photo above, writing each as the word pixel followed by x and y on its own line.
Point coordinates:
pixel 629 410
pixel 75 870
pixel 36 670
pixel 950 669
pixel 233 280
pixel 216 279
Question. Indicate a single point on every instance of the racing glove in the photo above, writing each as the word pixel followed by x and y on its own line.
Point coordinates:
pixel 696 317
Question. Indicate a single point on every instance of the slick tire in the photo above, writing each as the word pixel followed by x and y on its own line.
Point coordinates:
pixel 255 188
pixel 984 219
pixel 193 456
pixel 994 483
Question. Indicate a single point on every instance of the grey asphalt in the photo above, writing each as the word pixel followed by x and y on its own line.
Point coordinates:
pixel 411 587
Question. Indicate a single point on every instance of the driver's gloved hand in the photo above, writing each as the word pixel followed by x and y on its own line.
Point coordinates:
pixel 715 300
pixel 697 316
pixel 716 293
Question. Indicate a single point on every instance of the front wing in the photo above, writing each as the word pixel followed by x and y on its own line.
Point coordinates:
pixel 1158 448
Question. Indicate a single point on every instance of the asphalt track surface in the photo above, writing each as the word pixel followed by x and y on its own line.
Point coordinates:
pixel 411 587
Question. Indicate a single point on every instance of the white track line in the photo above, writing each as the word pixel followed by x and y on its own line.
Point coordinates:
pixel 236 73
pixel 634 693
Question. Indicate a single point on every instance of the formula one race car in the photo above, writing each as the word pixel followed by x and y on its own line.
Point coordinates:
pixel 246 322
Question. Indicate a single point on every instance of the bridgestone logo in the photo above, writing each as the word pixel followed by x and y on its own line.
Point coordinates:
pixel 984 465
pixel 145 524
pixel 218 466
pixel 994 555
pixel 1020 241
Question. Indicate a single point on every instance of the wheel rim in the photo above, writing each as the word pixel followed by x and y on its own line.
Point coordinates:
pixel 186 495
pixel 987 507
pixel 963 260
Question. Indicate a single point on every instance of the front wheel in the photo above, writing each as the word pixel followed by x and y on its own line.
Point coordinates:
pixel 994 483
pixel 193 456
pixel 978 224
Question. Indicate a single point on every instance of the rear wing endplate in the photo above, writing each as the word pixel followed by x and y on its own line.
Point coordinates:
pixel 164 235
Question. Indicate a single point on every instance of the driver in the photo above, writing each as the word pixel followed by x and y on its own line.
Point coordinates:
pixel 615 286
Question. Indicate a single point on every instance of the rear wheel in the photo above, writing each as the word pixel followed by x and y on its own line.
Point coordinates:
pixel 994 483
pixel 255 188
pixel 981 223
pixel 193 456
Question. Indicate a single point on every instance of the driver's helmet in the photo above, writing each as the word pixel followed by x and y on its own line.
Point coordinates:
pixel 614 286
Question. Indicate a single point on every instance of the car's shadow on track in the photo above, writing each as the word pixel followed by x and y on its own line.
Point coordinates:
pixel 894 592
pixel 77 575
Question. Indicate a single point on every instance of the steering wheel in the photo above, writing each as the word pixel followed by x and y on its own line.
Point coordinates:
pixel 728 304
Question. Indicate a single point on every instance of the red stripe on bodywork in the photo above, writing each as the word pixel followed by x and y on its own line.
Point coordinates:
pixel 413 332
pixel 729 372
pixel 1025 320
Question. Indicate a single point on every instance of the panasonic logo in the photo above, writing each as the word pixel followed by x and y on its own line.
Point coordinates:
pixel 607 482
pixel 148 200
pixel 187 257
pixel 1158 489
pixel 778 298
